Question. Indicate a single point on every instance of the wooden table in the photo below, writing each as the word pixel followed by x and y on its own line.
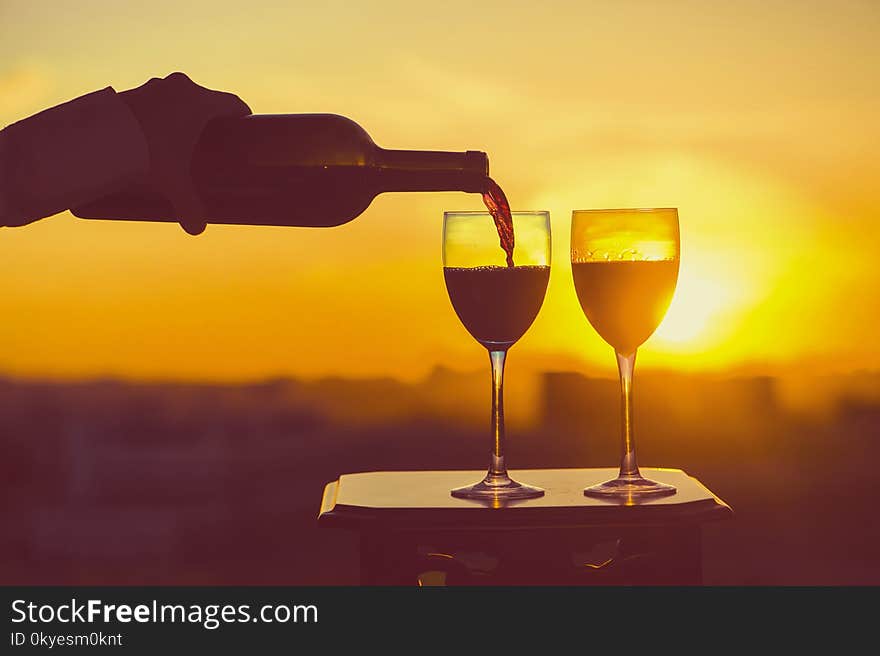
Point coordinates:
pixel 412 531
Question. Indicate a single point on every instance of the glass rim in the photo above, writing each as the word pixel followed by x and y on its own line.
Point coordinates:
pixel 627 209
pixel 487 213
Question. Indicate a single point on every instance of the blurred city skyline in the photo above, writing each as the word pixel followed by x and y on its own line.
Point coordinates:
pixel 132 483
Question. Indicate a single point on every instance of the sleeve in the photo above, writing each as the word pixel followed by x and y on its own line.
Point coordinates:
pixel 5 208
pixel 67 155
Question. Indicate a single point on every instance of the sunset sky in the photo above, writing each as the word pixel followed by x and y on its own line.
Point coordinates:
pixel 757 120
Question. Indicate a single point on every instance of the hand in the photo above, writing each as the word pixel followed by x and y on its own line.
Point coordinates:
pixel 173 111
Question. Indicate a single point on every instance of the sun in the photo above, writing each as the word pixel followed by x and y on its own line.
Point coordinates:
pixel 699 301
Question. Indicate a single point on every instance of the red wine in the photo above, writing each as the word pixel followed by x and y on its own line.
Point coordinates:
pixel 497 304
pixel 499 208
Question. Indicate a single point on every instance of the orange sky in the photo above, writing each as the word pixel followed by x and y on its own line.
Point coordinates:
pixel 758 120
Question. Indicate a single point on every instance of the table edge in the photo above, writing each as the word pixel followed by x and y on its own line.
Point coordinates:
pixel 333 515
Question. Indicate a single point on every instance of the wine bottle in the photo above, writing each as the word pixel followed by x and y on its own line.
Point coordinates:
pixel 316 170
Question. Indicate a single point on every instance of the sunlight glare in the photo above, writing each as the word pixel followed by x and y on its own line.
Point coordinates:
pixel 699 300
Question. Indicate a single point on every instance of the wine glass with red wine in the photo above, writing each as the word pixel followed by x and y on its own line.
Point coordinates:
pixel 496 290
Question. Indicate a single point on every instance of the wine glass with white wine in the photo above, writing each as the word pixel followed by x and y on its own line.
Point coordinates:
pixel 625 268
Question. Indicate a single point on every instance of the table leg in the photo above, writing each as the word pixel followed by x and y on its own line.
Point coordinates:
pixel 387 559
pixel 671 556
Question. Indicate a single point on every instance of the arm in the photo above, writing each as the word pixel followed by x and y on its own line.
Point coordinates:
pixel 79 151
pixel 69 154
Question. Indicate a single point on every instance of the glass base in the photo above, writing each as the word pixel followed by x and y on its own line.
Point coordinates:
pixel 497 488
pixel 629 487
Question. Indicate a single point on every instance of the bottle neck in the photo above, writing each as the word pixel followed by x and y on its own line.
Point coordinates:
pixel 432 170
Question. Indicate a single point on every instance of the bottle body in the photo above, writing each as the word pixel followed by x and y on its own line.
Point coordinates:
pixel 316 170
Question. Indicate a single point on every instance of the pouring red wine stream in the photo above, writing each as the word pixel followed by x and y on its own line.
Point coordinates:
pixel 499 208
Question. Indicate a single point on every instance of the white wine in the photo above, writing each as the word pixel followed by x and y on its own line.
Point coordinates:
pixel 625 300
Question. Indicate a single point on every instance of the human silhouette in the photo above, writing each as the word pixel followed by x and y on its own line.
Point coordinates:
pixel 95 144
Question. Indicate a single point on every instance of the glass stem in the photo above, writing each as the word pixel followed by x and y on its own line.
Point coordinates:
pixel 497 468
pixel 629 467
